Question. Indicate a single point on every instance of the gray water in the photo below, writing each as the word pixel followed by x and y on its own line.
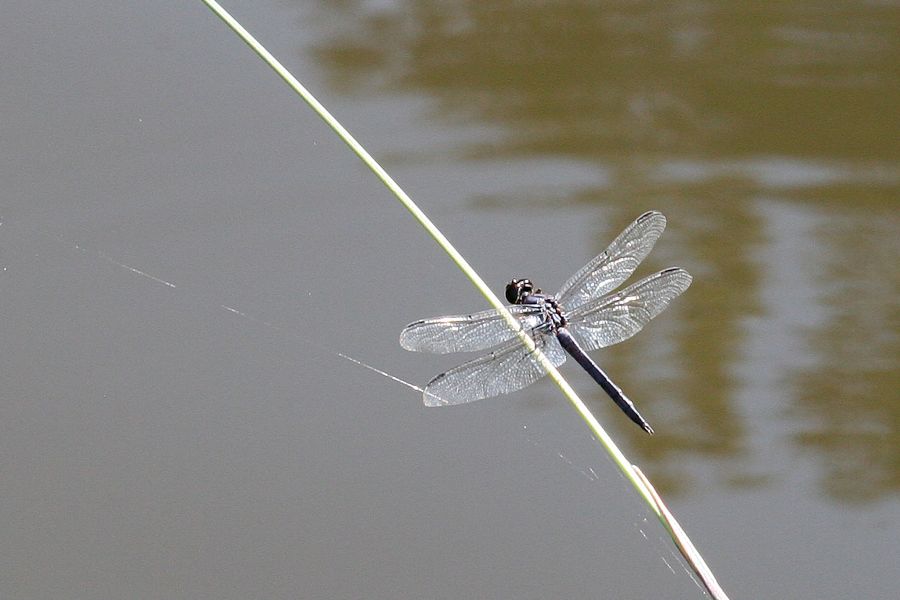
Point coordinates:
pixel 185 249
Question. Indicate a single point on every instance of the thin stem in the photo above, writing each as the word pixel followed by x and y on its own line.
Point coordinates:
pixel 624 465
pixel 432 229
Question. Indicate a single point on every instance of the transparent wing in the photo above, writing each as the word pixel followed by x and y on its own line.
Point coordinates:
pixel 509 368
pixel 614 265
pixel 466 333
pixel 617 317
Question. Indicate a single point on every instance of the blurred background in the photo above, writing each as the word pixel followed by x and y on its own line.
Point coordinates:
pixel 185 249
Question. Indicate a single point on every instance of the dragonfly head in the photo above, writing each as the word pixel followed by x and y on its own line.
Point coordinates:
pixel 517 289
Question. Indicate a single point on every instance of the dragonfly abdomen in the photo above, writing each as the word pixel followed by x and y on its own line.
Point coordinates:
pixel 618 396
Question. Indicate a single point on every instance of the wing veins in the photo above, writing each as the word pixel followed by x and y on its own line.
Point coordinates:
pixel 466 333
pixel 616 317
pixel 613 266
pixel 509 368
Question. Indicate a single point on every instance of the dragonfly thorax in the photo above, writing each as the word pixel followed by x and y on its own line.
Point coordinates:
pixel 553 311
pixel 522 291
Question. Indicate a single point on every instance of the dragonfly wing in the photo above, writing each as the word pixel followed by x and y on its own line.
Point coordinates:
pixel 509 368
pixel 614 265
pixel 617 317
pixel 466 333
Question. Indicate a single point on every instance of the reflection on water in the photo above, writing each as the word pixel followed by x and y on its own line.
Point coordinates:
pixel 594 78
pixel 771 132
pixel 847 397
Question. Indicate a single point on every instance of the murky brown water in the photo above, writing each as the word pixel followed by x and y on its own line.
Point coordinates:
pixel 770 133
pixel 184 249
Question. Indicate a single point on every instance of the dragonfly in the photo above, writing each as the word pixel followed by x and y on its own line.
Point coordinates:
pixel 584 315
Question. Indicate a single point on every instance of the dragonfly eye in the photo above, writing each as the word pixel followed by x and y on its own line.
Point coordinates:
pixel 518 289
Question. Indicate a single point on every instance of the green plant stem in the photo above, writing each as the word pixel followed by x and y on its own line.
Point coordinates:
pixel 439 237
pixel 618 457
